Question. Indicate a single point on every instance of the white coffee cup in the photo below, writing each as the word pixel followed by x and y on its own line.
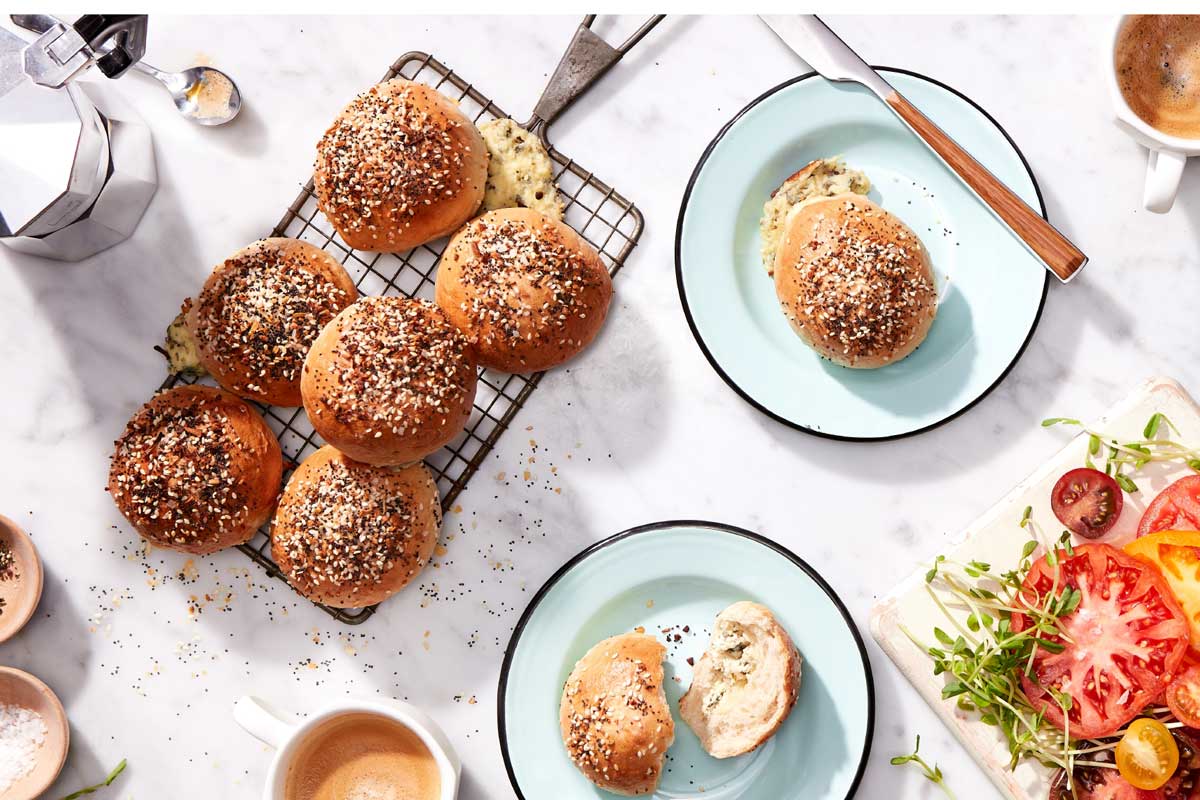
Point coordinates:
pixel 285 734
pixel 1168 153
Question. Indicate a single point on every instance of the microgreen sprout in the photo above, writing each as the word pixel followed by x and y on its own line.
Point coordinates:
pixel 112 776
pixel 983 658
pixel 1118 456
pixel 933 773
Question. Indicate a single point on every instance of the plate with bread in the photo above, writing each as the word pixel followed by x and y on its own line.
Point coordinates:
pixel 843 280
pixel 648 665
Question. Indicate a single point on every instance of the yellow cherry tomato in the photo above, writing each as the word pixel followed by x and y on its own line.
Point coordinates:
pixel 1147 755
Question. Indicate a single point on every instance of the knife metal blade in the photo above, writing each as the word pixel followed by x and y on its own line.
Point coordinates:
pixel 825 52
pixel 812 40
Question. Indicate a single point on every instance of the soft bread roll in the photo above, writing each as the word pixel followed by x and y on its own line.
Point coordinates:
pixel 825 177
pixel 260 311
pixel 196 470
pixel 389 380
pixel 527 289
pixel 400 166
pixel 614 716
pixel 745 684
pixel 350 535
pixel 520 172
pixel 855 282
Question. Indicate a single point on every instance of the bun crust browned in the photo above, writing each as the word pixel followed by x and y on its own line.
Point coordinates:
pixel 350 535
pixel 196 470
pixel 855 282
pixel 260 311
pixel 389 380
pixel 401 165
pixel 529 291
pixel 614 717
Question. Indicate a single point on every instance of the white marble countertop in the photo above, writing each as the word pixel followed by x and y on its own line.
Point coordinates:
pixel 148 655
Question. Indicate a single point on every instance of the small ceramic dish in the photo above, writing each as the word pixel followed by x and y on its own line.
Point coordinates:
pixel 20 590
pixel 19 688
pixel 678 576
pixel 991 289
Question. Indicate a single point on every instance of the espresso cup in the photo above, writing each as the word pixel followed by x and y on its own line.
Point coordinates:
pixel 1168 154
pixel 286 734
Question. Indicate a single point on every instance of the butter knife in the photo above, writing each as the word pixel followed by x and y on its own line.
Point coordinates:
pixel 813 41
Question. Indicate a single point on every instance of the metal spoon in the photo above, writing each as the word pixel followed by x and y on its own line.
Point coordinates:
pixel 203 95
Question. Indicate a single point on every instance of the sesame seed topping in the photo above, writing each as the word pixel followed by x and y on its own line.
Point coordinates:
pixel 856 288
pixel 396 363
pixel 385 158
pixel 171 470
pixel 261 311
pixel 349 524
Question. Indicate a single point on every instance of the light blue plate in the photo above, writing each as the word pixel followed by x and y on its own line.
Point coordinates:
pixel 671 575
pixel 991 288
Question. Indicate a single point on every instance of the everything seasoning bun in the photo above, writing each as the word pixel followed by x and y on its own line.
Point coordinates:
pixel 825 177
pixel 260 311
pixel 196 470
pixel 350 535
pixel 855 282
pixel 389 380
pixel 614 716
pixel 745 684
pixel 527 289
pixel 400 166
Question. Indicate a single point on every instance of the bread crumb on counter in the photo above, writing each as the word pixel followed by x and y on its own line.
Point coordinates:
pixel 520 173
pixel 182 354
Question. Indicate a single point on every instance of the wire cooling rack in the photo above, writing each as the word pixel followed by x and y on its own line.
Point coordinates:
pixel 603 216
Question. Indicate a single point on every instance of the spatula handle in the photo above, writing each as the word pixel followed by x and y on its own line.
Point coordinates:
pixel 1057 252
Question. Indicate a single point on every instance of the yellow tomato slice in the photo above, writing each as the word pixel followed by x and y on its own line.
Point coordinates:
pixel 1147 754
pixel 1176 554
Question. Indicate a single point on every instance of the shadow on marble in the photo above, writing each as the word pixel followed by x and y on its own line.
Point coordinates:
pixel 620 386
pixel 63 631
pixel 109 311
pixel 634 67
pixel 84 768
pixel 1188 201
pixel 246 135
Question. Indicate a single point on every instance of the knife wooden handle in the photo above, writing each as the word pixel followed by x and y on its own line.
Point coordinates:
pixel 1058 253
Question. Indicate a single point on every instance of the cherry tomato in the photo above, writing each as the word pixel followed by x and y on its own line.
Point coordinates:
pixel 1105 783
pixel 1183 694
pixel 1177 508
pixel 1124 641
pixel 1087 501
pixel 1147 754
pixel 1176 556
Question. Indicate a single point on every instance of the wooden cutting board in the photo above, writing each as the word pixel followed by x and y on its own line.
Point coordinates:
pixel 997 539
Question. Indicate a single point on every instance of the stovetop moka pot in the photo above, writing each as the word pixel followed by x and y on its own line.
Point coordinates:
pixel 77 165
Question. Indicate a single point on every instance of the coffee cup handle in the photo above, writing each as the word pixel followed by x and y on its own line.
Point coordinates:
pixel 1163 173
pixel 261 722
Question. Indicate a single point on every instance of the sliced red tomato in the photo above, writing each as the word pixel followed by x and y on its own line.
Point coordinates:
pixel 1124 641
pixel 1183 694
pixel 1177 508
pixel 1087 501
pixel 1176 556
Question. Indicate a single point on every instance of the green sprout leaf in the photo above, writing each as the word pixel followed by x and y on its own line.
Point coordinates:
pixel 933 773
pixel 112 776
